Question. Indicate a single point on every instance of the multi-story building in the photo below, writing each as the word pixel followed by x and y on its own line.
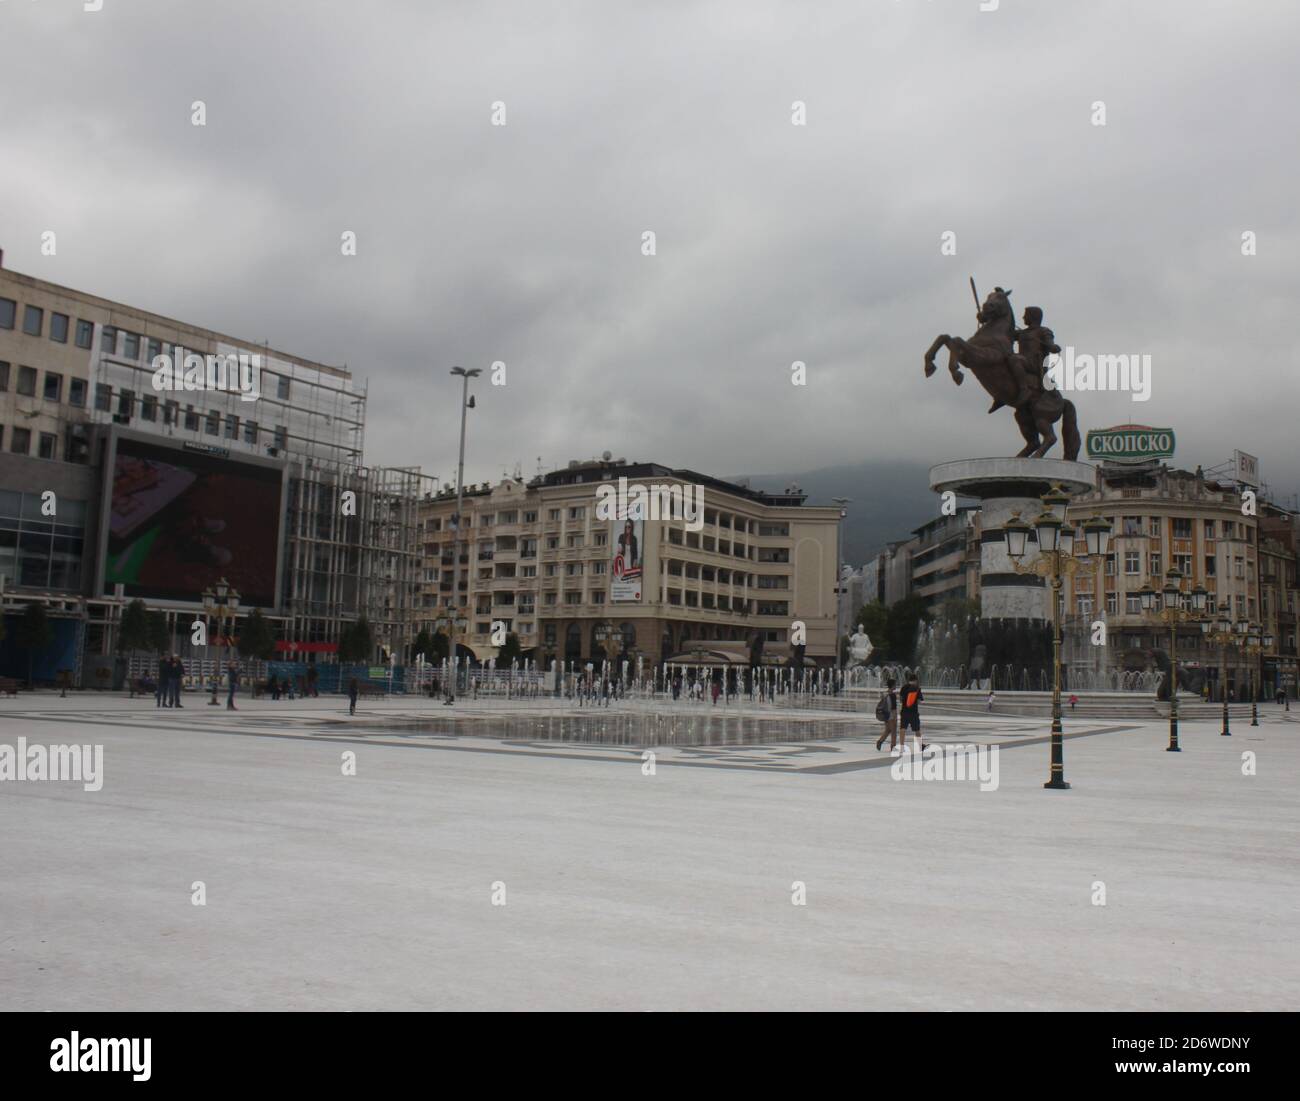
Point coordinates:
pixel 889 573
pixel 1163 518
pixel 537 558
pixel 945 558
pixel 77 375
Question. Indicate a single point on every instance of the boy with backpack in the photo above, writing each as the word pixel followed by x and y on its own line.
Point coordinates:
pixel 910 711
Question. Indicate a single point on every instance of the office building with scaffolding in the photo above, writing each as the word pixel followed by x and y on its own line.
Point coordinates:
pixel 79 386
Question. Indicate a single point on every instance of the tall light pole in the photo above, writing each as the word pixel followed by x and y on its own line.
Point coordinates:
pixel 1254 644
pixel 1056 560
pixel 222 600
pixel 839 581
pixel 1178 607
pixel 465 406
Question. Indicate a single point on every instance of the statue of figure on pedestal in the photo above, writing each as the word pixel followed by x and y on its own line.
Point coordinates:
pixel 860 647
pixel 1013 378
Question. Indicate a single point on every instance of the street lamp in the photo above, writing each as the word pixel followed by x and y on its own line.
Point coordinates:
pixel 839 579
pixel 222 600
pixel 466 403
pixel 1223 635
pixel 1174 607
pixel 1057 559
pixel 1256 643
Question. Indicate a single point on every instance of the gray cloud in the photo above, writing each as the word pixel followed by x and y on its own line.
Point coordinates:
pixel 775 243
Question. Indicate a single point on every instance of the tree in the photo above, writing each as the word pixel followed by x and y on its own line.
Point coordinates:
pixel 160 637
pixel 510 651
pixel 133 629
pixel 34 635
pixel 874 618
pixel 256 639
pixel 423 644
pixel 440 649
pixel 356 643
pixel 901 626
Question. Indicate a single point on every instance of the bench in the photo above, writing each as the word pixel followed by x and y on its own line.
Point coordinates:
pixel 366 689
pixel 8 686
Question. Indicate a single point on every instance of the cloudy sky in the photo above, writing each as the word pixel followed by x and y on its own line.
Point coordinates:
pixel 775 243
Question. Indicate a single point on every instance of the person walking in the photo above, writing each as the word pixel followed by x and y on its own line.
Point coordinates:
pixel 177 673
pixel 990 699
pixel 354 688
pixel 715 693
pixel 273 685
pixel 1073 700
pixel 232 677
pixel 312 690
pixel 910 711
pixel 887 713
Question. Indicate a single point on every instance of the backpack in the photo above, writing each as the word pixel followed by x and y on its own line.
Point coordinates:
pixel 882 708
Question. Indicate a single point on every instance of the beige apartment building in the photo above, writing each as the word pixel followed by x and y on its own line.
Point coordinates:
pixel 538 559
pixel 1162 518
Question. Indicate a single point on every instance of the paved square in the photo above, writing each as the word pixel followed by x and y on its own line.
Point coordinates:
pixel 633 891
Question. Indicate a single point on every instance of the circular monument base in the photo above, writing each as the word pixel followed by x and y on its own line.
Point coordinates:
pixel 1004 487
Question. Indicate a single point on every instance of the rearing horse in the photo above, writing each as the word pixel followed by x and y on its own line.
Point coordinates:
pixel 989 357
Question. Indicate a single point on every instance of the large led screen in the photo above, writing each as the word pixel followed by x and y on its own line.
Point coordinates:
pixel 180 520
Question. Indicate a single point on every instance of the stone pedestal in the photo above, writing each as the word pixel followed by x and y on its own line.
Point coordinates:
pixel 1003 487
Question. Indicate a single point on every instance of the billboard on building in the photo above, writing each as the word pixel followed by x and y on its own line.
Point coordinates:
pixel 1247 469
pixel 625 568
pixel 179 517
pixel 1130 443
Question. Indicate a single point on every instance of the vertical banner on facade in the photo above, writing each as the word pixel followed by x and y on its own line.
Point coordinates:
pixel 625 569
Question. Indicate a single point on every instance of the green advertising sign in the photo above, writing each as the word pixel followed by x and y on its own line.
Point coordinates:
pixel 378 672
pixel 1130 443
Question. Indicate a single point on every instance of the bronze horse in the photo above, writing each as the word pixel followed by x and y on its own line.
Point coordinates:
pixel 989 357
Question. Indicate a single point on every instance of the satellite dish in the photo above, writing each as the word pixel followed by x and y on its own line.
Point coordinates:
pixel 607 455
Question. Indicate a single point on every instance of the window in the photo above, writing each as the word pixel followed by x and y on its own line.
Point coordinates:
pixel 153 349
pixel 1210 565
pixel 59 328
pixel 530 517
pixel 552 542
pixel 53 386
pixel 33 320
pixel 47 445
pixel 1182 527
pixel 1183 564
pixel 21 441
pixel 103 397
pixel 553 514
pixel 27 381
pixel 1228 528
pixel 191 419
pixel 1155 565
pixel 1110 565
pixel 1112 603
pixel 1132 525
pixel 1132 562
pixel 282 439
pixel 574 541
pixel 85 333
pixel 1209 529
pixel 125 403
pixel 1083 603
pixel 577 513
pixel 1132 604
pixel 149 408
pixel 108 340
pixel 232 427
pixel 7 309
pixel 212 425
pixel 171 412
pixel 250 431
pixel 598 597
pixel 131 345
pixel 1153 526
pixel 4 377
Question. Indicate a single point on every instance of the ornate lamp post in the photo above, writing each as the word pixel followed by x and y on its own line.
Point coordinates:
pixel 1057 559
pixel 1220 633
pixel 222 600
pixel 1256 642
pixel 1173 606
